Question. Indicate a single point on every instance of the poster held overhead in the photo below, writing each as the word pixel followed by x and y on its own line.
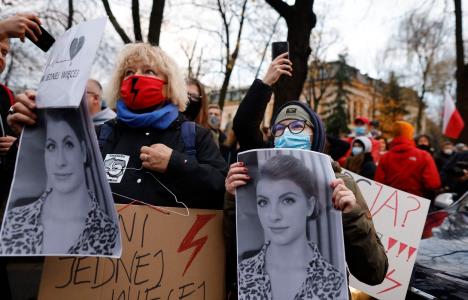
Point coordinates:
pixel 69 65
pixel 286 225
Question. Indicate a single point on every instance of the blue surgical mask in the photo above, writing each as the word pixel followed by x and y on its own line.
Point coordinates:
pixel 214 121
pixel 360 130
pixel 294 141
pixel 357 150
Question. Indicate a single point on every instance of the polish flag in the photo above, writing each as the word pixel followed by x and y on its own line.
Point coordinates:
pixel 453 122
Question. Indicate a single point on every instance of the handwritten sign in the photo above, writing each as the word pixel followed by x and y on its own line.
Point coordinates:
pixel 165 256
pixel 399 219
pixel 69 64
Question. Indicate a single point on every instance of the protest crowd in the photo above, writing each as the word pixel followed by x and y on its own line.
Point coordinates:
pixel 170 129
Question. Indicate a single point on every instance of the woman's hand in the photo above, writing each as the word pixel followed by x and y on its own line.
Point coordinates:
pixel 236 177
pixel 22 112
pixel 279 66
pixel 5 143
pixel 20 25
pixel 156 157
pixel 343 198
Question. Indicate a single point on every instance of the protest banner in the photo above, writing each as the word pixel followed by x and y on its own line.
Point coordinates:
pixel 166 255
pixel 286 210
pixel 69 65
pixel 399 219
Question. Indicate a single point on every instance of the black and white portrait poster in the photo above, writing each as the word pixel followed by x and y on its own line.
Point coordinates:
pixel 289 237
pixel 60 202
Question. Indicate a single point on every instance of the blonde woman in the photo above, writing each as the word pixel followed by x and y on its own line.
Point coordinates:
pixel 147 155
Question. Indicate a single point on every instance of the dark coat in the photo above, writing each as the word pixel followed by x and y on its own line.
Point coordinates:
pixel 7 162
pixel 198 182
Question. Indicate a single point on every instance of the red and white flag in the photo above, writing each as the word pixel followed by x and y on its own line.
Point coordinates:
pixel 453 122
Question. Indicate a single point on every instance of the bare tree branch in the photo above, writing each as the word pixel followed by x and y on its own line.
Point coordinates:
pixel 281 7
pixel 267 44
pixel 114 22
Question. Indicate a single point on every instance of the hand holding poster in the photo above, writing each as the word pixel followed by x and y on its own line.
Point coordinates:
pixel 399 221
pixel 289 238
pixel 165 256
pixel 60 202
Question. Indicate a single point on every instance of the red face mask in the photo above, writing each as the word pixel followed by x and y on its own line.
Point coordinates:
pixel 141 92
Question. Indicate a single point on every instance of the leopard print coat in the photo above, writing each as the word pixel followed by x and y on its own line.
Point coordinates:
pixel 23 232
pixel 323 280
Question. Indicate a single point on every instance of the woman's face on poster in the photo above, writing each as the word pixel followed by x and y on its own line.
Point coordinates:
pixel 64 157
pixel 283 210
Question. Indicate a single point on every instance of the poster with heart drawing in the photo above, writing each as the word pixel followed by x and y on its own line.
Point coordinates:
pixel 69 65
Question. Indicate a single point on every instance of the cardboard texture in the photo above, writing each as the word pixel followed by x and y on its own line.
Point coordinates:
pixel 399 219
pixel 165 256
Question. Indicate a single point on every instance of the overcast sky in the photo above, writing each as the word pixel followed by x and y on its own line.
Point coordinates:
pixel 362 29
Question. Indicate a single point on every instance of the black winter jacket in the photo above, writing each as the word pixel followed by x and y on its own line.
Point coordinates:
pixel 197 182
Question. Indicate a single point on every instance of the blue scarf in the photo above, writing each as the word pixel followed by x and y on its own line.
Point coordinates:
pixel 158 119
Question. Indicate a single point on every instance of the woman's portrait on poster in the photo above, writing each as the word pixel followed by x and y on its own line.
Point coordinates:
pixel 286 200
pixel 66 218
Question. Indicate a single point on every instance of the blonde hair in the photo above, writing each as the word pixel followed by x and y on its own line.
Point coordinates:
pixel 155 57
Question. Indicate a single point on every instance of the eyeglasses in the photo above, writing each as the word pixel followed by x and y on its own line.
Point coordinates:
pixel 194 97
pixel 92 94
pixel 295 127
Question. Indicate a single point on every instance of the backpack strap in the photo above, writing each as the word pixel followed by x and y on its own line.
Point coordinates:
pixel 105 132
pixel 188 137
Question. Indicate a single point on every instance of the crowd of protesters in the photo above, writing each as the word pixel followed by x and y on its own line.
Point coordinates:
pixel 171 130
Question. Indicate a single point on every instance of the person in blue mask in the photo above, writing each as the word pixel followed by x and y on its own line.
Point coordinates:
pixel 296 126
pixel 361 161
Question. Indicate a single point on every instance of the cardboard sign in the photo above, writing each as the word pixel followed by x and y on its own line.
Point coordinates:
pixel 399 219
pixel 69 64
pixel 165 256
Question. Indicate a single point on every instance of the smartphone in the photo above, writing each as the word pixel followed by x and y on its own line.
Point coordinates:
pixel 45 40
pixel 278 48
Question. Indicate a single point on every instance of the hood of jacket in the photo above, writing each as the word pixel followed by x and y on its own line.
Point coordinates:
pixel 402 144
pixel 318 139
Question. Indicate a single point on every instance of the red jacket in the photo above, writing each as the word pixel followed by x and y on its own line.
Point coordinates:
pixel 408 168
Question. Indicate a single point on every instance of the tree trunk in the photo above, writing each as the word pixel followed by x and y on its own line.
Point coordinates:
pixel 70 14
pixel 230 58
pixel 225 85
pixel 419 116
pixel 114 23
pixel 136 20
pixel 300 19
pixel 156 18
pixel 462 72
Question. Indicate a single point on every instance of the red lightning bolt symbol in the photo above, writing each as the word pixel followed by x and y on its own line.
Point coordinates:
pixel 188 241
pixel 397 284
pixel 134 90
